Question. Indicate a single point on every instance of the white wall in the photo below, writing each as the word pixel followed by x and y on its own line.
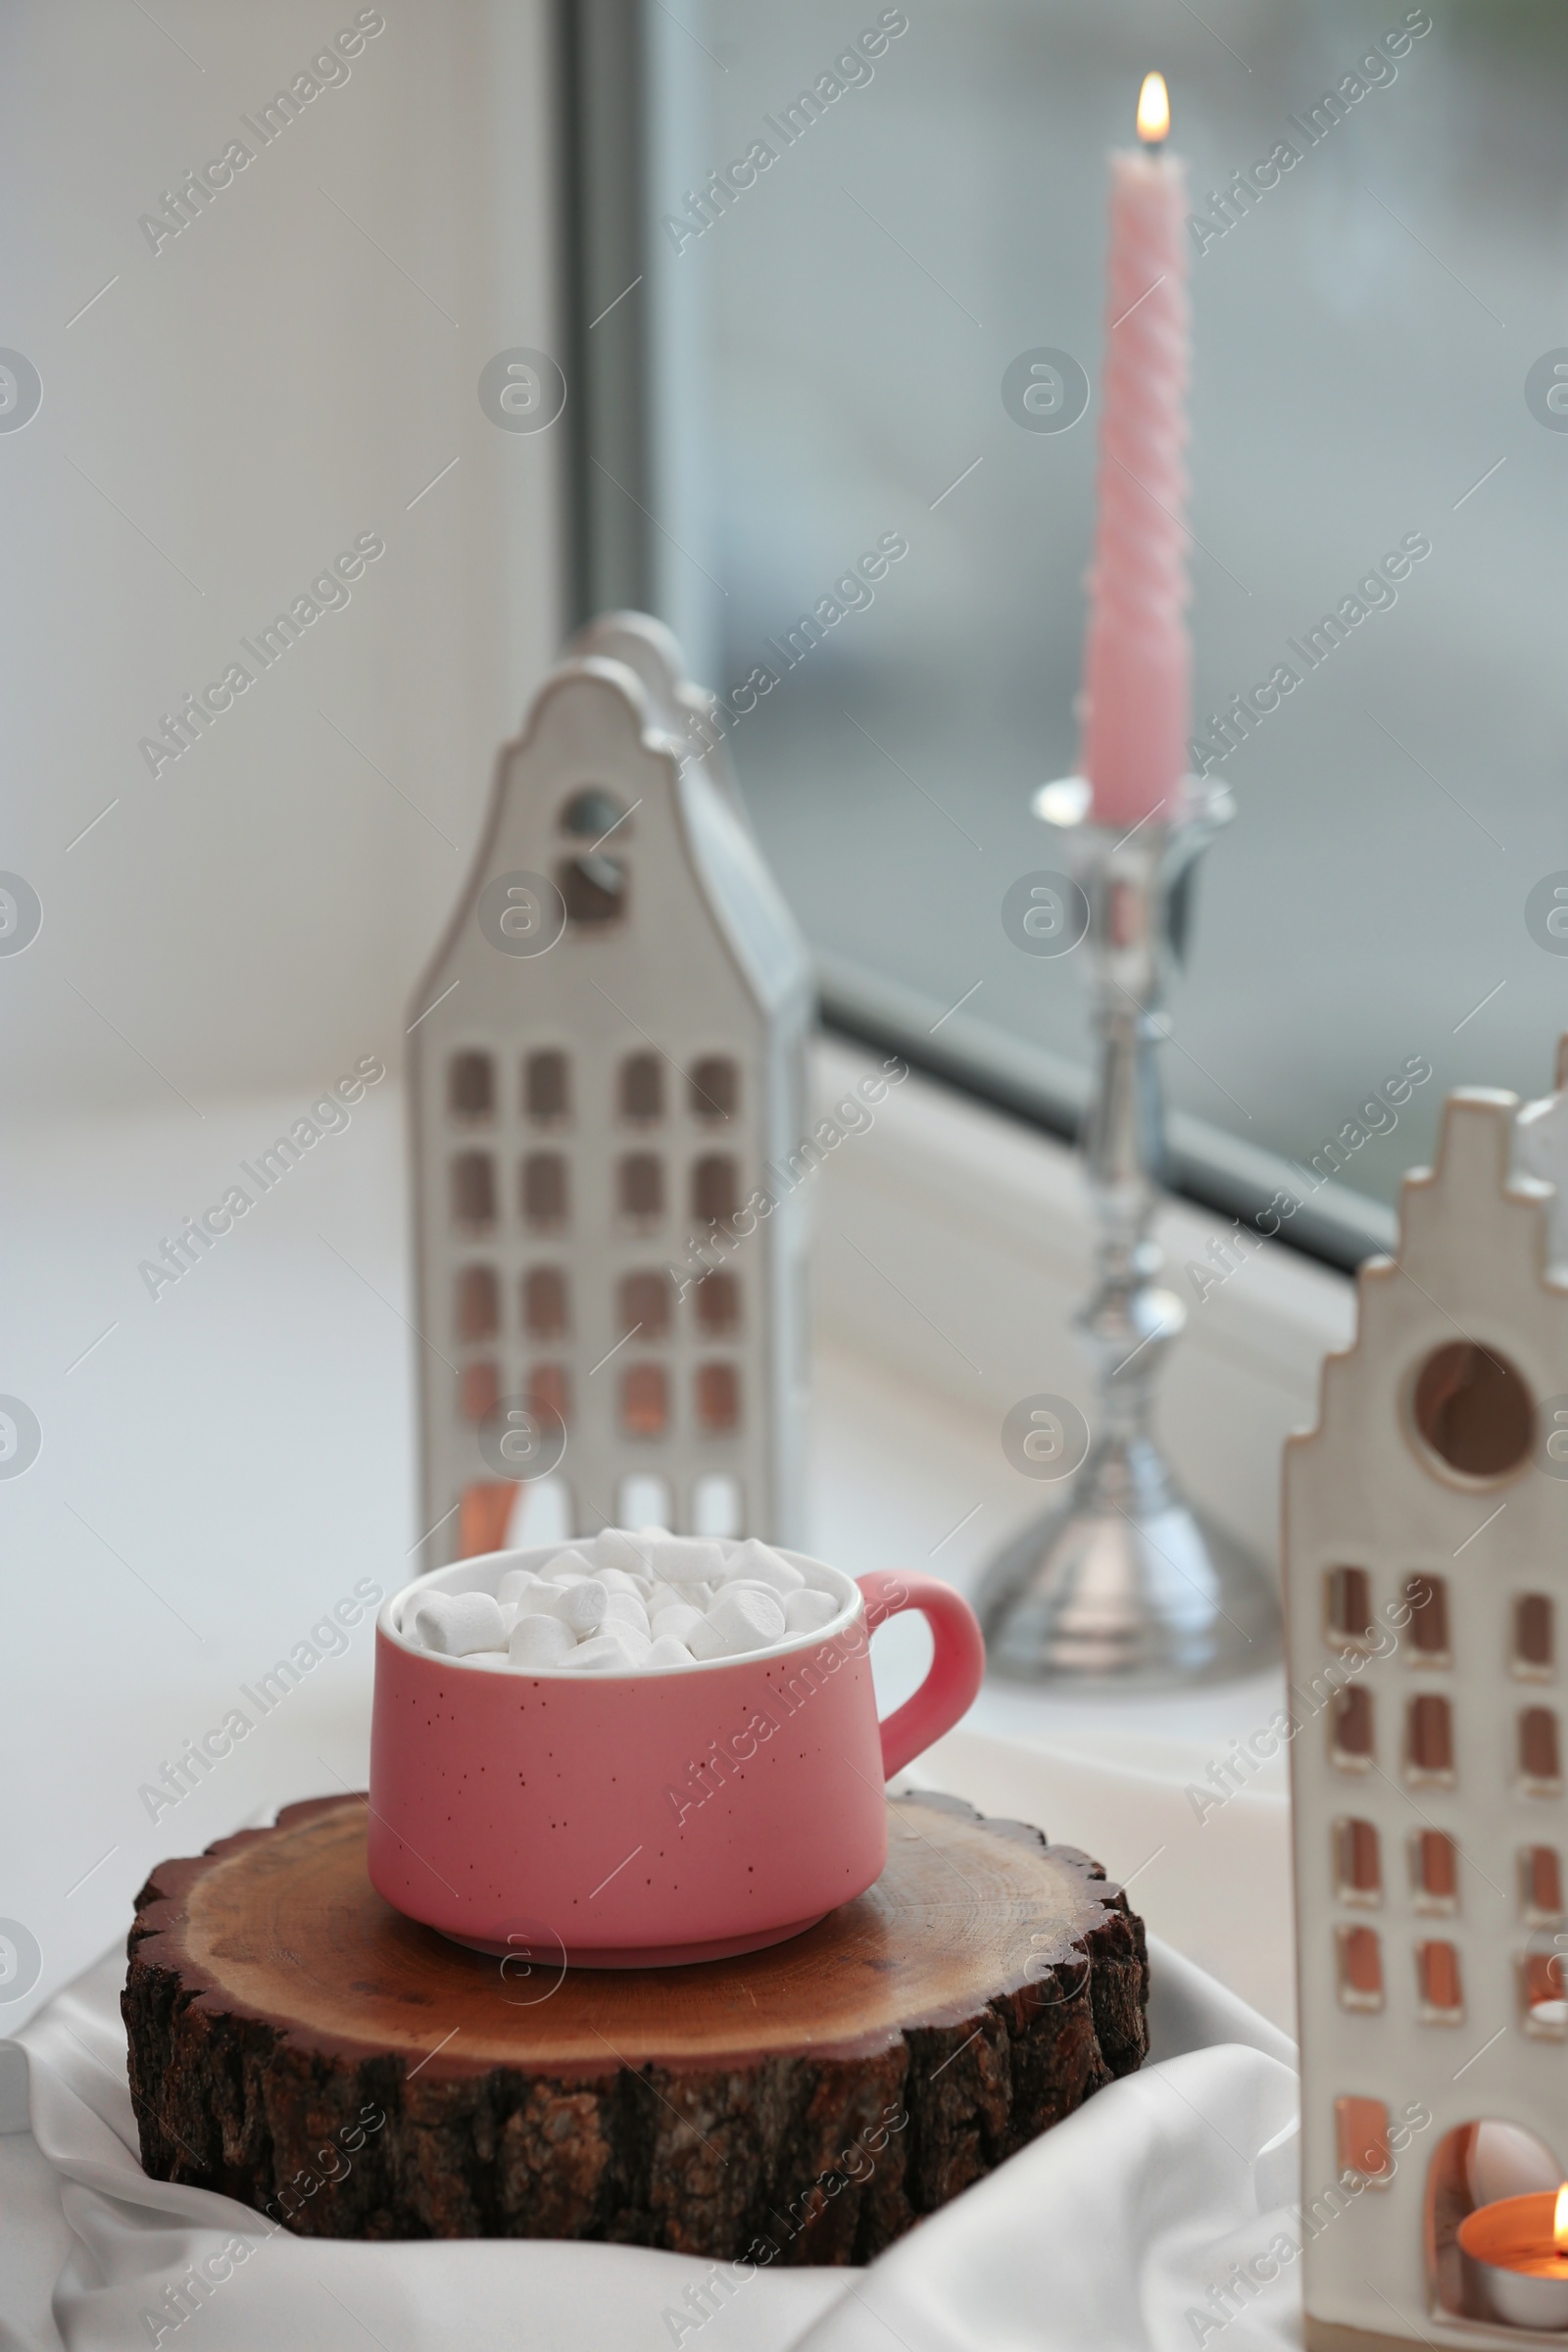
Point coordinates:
pixel 243 403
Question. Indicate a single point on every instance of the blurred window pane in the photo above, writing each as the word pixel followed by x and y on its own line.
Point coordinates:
pixel 879 564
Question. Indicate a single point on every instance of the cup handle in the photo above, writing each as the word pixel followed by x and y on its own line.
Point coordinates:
pixel 957 1669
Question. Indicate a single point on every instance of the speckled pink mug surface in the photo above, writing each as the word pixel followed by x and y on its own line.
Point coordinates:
pixel 639 1819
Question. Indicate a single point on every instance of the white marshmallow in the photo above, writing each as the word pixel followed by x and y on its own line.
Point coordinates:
pixel 455 1624
pixel 819 1580
pixel 543 1600
pixel 758 1563
pixel 752 1584
pixel 586 1605
pixel 675 1623
pixel 683 1560
pixel 624 1608
pixel 570 1563
pixel 614 1548
pixel 737 1624
pixel 676 1560
pixel 668 1651
pixel 806 1612
pixel 541 1642
pixel 628 1601
pixel 615 1652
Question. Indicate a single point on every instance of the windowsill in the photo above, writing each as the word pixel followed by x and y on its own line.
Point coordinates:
pixel 220 1464
pixel 955 1244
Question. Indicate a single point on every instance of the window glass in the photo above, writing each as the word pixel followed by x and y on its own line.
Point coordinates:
pixel 911 201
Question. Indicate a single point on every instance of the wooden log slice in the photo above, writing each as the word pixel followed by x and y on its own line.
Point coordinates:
pixel 297 2044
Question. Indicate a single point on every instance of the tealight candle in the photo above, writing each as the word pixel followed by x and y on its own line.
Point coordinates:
pixel 1520 2247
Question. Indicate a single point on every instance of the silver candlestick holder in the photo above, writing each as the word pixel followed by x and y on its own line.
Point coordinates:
pixel 1124 1583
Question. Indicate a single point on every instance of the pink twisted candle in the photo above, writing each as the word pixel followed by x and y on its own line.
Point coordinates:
pixel 1136 706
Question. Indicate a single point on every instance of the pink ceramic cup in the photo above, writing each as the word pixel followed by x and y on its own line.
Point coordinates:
pixel 635 1820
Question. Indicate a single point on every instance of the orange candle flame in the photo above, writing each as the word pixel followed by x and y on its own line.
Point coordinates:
pixel 1559 2220
pixel 1153 110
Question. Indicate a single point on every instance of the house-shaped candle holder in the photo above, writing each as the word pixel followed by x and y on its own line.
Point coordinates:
pixel 607 1054
pixel 1426 1541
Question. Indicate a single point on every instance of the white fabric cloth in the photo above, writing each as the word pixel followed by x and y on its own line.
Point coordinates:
pixel 1109 2232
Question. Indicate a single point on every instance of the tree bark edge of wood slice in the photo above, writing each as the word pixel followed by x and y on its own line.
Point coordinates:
pixel 292 2045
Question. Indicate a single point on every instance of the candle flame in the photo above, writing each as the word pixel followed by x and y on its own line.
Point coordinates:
pixel 1153 110
pixel 1559 2220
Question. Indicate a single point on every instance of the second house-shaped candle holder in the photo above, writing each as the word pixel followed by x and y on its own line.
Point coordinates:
pixel 1426 1524
pixel 607 1087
